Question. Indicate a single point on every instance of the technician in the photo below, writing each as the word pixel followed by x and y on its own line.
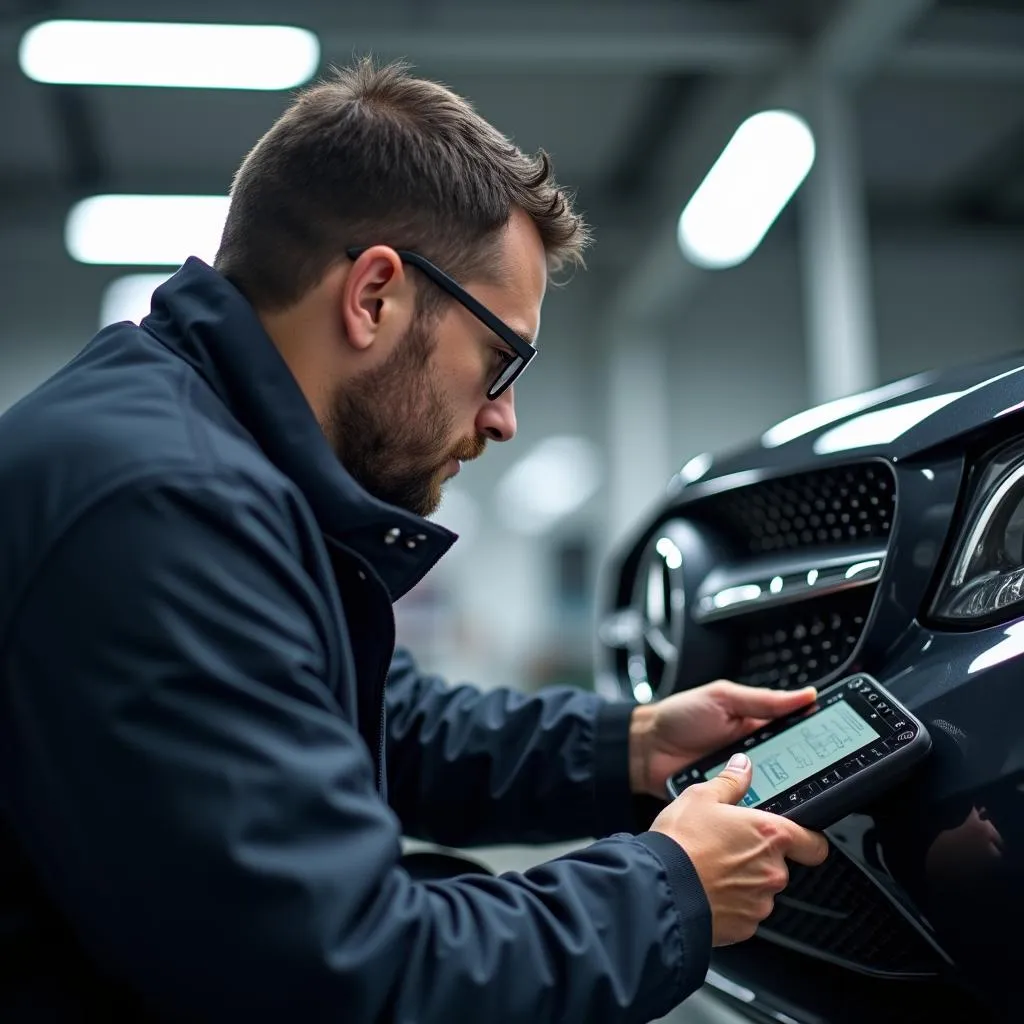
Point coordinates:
pixel 209 750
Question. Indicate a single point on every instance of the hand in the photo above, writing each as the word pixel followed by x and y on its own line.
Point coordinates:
pixel 739 852
pixel 667 736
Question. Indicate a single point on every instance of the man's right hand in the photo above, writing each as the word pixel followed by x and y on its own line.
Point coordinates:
pixel 740 853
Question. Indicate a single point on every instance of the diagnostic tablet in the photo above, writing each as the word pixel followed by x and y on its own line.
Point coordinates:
pixel 826 760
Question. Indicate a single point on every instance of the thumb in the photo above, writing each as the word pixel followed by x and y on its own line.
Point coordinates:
pixel 730 786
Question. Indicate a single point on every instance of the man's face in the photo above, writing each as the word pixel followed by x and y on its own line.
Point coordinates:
pixel 395 428
pixel 403 427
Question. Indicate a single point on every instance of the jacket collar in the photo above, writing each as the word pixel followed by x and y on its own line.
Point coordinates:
pixel 200 316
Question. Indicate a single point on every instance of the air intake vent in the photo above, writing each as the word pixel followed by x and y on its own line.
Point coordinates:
pixel 797 646
pixel 835 912
pixel 831 506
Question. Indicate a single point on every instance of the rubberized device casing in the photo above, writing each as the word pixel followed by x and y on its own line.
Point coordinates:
pixel 855 777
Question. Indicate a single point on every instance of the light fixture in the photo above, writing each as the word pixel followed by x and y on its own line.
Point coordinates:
pixel 145 230
pixel 748 186
pixel 152 53
pixel 128 298
pixel 555 479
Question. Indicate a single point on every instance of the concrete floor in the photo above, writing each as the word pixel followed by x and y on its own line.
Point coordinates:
pixel 702 1008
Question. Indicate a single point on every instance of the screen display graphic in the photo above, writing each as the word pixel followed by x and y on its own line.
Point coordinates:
pixel 802 750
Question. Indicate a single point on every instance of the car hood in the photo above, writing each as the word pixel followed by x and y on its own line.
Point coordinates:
pixel 895 421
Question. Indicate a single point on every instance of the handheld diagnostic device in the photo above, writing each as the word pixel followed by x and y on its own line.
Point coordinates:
pixel 827 760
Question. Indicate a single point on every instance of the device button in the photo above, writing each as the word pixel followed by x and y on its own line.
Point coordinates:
pixel 905 737
pixel 900 723
pixel 873 698
pixel 829 779
pixel 882 708
pixel 774 807
pixel 808 790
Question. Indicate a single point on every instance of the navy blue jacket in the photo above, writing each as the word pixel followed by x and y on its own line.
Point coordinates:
pixel 197 817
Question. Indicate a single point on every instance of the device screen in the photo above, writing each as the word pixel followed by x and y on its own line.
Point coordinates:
pixel 802 750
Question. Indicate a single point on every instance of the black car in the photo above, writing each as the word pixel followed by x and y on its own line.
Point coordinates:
pixel 881 533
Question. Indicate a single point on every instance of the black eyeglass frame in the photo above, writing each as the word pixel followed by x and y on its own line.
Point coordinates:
pixel 524 351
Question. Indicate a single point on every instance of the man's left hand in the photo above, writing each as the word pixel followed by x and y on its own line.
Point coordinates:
pixel 667 736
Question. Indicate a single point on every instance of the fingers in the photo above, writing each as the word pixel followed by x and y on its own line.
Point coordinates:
pixel 804 846
pixel 758 702
pixel 733 783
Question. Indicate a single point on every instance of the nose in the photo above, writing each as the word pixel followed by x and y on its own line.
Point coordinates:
pixel 497 419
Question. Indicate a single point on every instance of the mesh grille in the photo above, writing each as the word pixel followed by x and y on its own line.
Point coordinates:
pixel 829 506
pixel 836 910
pixel 798 645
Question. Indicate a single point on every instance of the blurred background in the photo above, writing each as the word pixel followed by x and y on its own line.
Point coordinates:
pixel 852 176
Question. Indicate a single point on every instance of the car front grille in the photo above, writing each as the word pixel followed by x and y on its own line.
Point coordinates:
pixel 806 516
pixel 829 506
pixel 836 912
pixel 798 645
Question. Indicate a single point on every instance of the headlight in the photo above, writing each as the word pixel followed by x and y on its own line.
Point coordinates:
pixel 986 576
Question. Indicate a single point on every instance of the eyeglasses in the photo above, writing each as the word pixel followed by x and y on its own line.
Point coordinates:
pixel 514 362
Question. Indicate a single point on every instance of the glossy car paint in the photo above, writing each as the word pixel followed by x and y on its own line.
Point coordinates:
pixel 948 846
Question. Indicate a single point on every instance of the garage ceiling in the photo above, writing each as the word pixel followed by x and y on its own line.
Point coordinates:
pixel 610 88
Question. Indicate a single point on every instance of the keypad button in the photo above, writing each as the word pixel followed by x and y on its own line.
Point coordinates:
pixel 772 807
pixel 899 723
pixel 882 708
pixel 828 779
pixel 905 736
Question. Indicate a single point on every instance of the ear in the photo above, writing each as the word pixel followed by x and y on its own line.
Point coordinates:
pixel 377 298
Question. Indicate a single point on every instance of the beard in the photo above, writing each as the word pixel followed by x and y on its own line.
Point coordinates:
pixel 391 427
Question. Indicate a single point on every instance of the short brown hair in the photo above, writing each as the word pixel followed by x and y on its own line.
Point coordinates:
pixel 375 156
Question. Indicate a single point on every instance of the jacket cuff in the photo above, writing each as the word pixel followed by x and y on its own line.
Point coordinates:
pixel 613 801
pixel 692 904
pixel 616 809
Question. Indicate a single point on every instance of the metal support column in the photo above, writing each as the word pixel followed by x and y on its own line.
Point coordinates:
pixel 639 425
pixel 841 347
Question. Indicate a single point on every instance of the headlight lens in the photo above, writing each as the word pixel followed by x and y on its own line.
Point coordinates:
pixel 986 576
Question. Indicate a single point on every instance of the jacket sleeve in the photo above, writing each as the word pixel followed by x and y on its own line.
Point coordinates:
pixel 469 767
pixel 178 772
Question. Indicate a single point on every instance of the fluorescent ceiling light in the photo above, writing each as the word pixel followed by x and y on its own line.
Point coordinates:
pixel 128 298
pixel 559 476
pixel 760 168
pixel 145 230
pixel 169 54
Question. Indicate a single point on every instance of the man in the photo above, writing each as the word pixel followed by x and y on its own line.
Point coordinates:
pixel 209 752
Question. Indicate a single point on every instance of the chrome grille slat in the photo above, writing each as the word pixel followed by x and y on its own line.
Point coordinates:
pixel 769 582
